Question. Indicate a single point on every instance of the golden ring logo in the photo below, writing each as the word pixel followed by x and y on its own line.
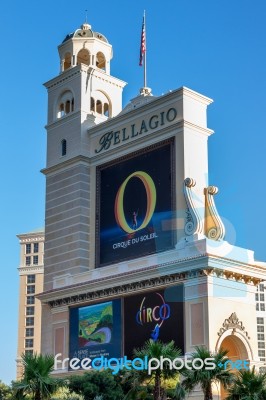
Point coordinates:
pixel 151 202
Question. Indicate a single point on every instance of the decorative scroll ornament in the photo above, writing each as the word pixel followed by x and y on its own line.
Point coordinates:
pixel 194 223
pixel 233 323
pixel 214 227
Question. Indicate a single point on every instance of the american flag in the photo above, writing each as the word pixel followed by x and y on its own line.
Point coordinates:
pixel 142 42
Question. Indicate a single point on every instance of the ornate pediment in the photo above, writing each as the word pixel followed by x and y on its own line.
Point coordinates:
pixel 234 323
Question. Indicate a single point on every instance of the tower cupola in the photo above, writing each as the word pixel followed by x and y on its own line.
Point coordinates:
pixel 85 47
pixel 83 94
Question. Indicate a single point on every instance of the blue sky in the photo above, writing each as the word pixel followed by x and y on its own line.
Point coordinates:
pixel 214 47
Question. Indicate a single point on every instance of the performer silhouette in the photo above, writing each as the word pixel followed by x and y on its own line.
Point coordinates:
pixel 134 219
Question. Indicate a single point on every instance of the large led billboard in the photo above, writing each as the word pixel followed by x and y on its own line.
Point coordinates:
pixel 156 315
pixel 95 330
pixel 135 203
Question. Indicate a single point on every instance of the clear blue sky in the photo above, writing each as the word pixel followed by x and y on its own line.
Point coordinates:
pixel 212 46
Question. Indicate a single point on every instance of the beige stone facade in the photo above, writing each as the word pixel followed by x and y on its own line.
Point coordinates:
pixel 30 284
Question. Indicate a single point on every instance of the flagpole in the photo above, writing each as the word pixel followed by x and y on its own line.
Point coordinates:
pixel 145 58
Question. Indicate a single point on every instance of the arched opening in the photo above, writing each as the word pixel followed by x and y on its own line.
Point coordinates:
pixel 92 104
pixel 63 147
pixel 61 110
pixel 67 61
pixel 83 57
pixel 106 109
pixel 100 61
pixel 237 350
pixel 65 104
pixel 100 104
pixel 99 108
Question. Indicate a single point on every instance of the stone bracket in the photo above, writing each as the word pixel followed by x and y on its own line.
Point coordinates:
pixel 214 227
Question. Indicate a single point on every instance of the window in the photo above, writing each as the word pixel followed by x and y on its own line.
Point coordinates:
pixel 30 300
pixel 261 353
pixel 260 321
pixel 28 248
pixel 30 310
pixel 257 307
pixel 63 147
pixel 260 336
pixel 262 297
pixel 260 328
pixel 257 297
pixel 261 345
pixel 29 321
pixel 31 289
pixel 29 332
pixel 30 279
pixel 28 260
pixel 262 307
pixel 29 352
pixel 261 287
pixel 35 247
pixel 28 342
pixel 35 260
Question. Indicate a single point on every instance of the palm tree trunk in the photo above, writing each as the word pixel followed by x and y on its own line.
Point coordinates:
pixel 37 395
pixel 157 388
pixel 208 392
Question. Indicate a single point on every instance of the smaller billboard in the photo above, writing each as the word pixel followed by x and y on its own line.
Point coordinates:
pixel 156 315
pixel 95 330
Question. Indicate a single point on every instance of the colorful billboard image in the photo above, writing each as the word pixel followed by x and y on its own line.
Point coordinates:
pixel 154 315
pixel 135 205
pixel 95 330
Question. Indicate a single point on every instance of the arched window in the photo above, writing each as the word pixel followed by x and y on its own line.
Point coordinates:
pixel 99 108
pixel 67 61
pixel 65 104
pixel 63 147
pixel 83 57
pixel 100 61
pixel 92 104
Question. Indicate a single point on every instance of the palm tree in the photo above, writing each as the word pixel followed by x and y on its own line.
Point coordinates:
pixel 203 377
pixel 155 349
pixel 36 380
pixel 248 385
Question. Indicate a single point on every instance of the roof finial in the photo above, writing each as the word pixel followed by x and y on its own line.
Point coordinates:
pixel 86 26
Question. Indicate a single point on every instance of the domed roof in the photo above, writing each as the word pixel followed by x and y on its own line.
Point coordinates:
pixel 85 32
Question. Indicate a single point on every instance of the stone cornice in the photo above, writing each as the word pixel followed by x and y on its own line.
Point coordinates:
pixel 63 77
pixel 30 270
pixel 82 68
pixel 145 279
pixel 67 163
pixel 30 238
